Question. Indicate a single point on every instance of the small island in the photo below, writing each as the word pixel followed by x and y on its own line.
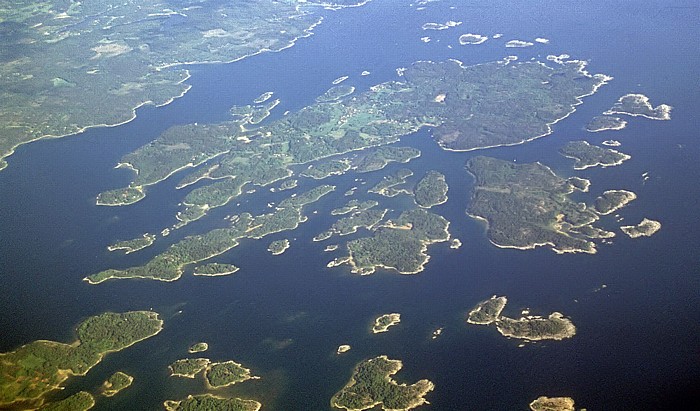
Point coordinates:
pixel 116 383
pixel 34 369
pixel 531 327
pixel 372 385
pixel 198 347
pixel 431 190
pixel 323 169
pixel 278 247
pixel 188 367
pixel 383 322
pixel 208 402
pixel 602 123
pixel 380 157
pixel 639 105
pixel 136 244
pixel 613 200
pixel 121 196
pixel 518 44
pixel 587 155
pixel 343 349
pixel 354 205
pixel 487 312
pixel 387 186
pixel 80 401
pixel 223 374
pixel 215 270
pixel 471 38
pixel 646 228
pixel 455 244
pixel 553 404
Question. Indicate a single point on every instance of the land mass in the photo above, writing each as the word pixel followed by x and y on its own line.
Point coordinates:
pixel 602 123
pixel 116 383
pixel 208 402
pixel 33 370
pixel 527 205
pixel 587 155
pixel 372 385
pixel 383 322
pixel 80 401
pixel 553 404
pixel 646 228
pixel 431 190
pixel 639 105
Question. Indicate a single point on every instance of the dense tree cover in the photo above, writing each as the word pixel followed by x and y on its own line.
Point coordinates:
pixel 399 244
pixel 169 265
pixel 587 155
pixel 133 245
pixel 222 374
pixel 386 186
pixel 613 200
pixel 80 401
pixel 354 205
pixel 335 93
pixel 198 347
pixel 527 205
pixel 38 367
pixel 116 383
pixel 602 123
pixel 646 228
pixel 188 367
pixel 378 158
pixel 371 384
pixel 208 402
pixel 487 311
pixel 362 218
pixel 277 247
pixel 431 190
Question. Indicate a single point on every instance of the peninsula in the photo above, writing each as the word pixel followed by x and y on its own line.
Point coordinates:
pixel 33 370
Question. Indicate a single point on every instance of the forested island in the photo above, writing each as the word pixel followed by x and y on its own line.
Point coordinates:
pixel 527 205
pixel 531 327
pixel 431 190
pixel 372 385
pixel 215 269
pixel 602 123
pixel 613 200
pixel 209 402
pixel 33 370
pixel 80 401
pixel 198 347
pixel 399 244
pixel 169 265
pixel 116 383
pixel 136 244
pixel 587 155
pixel 278 247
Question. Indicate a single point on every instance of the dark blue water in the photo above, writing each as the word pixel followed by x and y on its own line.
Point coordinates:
pixel 637 344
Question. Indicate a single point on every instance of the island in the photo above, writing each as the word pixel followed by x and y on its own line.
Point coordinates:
pixel 602 123
pixel 80 401
pixel 399 245
pixel 455 243
pixel 130 246
pixel 527 206
pixel 209 402
pixel 169 265
pixel 215 270
pixel 639 105
pixel 471 38
pixel 350 224
pixel 530 327
pixel 431 190
pixel 646 228
pixel 372 385
pixel 379 158
pixel 188 367
pixel 535 328
pixel 613 200
pixel 278 247
pixel 384 321
pixel 287 185
pixel 587 155
pixel 387 186
pixel 198 347
pixel 343 349
pixel 518 44
pixel 553 404
pixel 93 64
pixel 354 205
pixel 34 369
pixel 116 383
pixel 223 374
pixel 487 312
